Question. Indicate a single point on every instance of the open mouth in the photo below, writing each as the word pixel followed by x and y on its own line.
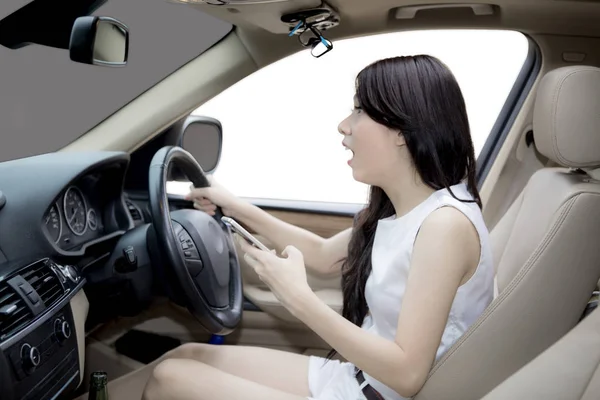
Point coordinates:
pixel 350 154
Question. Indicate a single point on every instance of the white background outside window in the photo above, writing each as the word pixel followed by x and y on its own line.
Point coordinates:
pixel 280 123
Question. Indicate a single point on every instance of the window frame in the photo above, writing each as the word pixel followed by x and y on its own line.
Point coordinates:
pixel 508 114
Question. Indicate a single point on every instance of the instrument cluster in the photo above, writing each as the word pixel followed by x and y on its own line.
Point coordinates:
pixel 75 218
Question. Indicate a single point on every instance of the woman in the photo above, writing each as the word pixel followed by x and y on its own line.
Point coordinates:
pixel 416 266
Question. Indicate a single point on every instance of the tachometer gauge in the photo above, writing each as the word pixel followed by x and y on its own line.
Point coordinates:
pixel 75 210
pixel 54 223
pixel 92 219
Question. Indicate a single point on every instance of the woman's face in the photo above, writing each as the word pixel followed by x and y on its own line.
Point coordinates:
pixel 377 153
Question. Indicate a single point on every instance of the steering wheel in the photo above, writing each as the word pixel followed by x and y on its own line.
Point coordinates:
pixel 197 249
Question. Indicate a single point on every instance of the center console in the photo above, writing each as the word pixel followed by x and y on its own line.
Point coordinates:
pixel 39 357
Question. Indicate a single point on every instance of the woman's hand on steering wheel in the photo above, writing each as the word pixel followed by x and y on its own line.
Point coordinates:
pixel 208 198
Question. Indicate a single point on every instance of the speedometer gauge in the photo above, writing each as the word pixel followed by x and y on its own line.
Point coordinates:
pixel 75 210
pixel 54 223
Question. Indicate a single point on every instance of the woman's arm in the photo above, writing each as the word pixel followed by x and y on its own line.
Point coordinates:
pixel 446 251
pixel 324 255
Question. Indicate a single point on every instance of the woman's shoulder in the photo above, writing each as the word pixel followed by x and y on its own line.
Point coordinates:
pixel 459 198
pixel 449 231
pixel 449 221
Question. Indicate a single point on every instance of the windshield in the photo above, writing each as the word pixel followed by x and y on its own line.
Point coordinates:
pixel 47 100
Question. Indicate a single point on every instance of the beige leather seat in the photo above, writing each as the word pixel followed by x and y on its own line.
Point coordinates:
pixel 569 370
pixel 546 246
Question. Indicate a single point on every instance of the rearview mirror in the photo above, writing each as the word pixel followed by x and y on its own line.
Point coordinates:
pixel 203 138
pixel 321 47
pixel 99 41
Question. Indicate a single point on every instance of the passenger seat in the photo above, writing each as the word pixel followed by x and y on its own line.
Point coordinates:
pixel 546 247
pixel 569 370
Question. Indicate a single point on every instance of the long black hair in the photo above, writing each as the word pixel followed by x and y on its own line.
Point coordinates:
pixel 420 98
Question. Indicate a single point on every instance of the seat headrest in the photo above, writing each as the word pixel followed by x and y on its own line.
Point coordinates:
pixel 566 116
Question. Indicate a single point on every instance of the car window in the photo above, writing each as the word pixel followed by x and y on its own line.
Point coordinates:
pixel 280 123
pixel 47 100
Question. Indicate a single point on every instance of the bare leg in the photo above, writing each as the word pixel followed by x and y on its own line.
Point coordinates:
pixel 184 379
pixel 280 370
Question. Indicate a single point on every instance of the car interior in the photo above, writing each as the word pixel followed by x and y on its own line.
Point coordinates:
pixel 103 268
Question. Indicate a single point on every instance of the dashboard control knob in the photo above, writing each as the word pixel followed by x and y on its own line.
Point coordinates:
pixel 62 329
pixel 70 272
pixel 30 355
pixel 74 274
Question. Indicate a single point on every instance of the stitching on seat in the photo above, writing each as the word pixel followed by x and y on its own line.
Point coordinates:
pixel 509 289
pixel 522 200
pixel 587 386
pixel 553 135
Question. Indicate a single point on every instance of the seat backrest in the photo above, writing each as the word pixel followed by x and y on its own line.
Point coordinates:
pixel 568 370
pixel 545 246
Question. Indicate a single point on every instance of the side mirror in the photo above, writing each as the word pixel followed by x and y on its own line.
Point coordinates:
pixel 203 138
pixel 99 41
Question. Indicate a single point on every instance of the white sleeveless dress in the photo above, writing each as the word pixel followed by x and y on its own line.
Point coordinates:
pixel 392 251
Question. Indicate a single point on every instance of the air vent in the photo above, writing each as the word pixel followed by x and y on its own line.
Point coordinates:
pixel 44 281
pixel 14 313
pixel 134 211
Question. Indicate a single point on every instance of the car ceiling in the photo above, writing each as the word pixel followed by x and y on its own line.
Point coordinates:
pixel 577 17
pixel 265 36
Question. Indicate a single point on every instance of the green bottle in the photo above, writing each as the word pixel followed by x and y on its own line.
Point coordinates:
pixel 98 386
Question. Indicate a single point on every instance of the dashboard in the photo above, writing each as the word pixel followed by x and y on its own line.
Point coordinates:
pixel 65 223
pixel 61 203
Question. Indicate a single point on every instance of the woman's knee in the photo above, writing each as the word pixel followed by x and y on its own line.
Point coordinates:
pixel 163 376
pixel 193 351
pixel 182 377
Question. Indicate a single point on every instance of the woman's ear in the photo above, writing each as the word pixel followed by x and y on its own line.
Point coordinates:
pixel 399 139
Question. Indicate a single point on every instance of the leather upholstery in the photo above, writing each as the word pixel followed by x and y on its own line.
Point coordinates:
pixel 569 370
pixel 566 117
pixel 546 248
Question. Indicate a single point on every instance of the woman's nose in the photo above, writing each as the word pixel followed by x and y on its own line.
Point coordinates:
pixel 344 127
